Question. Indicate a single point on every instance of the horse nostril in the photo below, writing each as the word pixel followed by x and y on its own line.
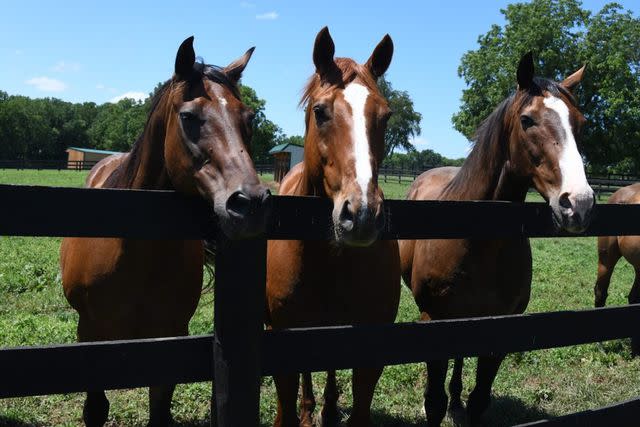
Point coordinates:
pixel 346 217
pixel 238 205
pixel 564 201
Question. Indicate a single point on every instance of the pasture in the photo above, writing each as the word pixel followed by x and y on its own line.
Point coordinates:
pixel 529 386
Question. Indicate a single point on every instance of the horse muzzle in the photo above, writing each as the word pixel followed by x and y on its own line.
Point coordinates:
pixel 572 212
pixel 358 226
pixel 246 211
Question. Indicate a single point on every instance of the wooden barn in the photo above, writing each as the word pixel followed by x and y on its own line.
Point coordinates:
pixel 285 157
pixel 85 158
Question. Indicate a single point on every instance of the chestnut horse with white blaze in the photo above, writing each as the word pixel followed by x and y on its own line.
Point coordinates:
pixel 529 139
pixel 611 249
pixel 354 278
pixel 195 141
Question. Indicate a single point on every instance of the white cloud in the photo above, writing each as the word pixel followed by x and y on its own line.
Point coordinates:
pixel 137 96
pixel 247 5
pixel 421 143
pixel 269 16
pixel 47 84
pixel 63 67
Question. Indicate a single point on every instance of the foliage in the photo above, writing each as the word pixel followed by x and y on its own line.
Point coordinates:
pixel 563 37
pixel 404 124
pixel 55 125
pixel 266 134
pixel 293 139
pixel 419 160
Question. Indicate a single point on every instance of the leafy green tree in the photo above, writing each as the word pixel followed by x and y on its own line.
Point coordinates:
pixel 293 139
pixel 266 134
pixel 117 126
pixel 405 121
pixel 563 37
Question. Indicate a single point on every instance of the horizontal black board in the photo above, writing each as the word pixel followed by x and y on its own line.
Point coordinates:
pixel 48 211
pixel 621 414
pixel 124 364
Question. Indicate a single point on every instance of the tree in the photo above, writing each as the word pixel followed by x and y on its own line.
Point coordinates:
pixel 266 134
pixel 563 37
pixel 117 126
pixel 293 139
pixel 405 121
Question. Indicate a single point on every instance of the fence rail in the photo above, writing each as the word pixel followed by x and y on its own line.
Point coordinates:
pixel 240 351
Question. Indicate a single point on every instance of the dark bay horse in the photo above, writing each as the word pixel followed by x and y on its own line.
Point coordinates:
pixel 354 278
pixel 195 141
pixel 529 139
pixel 611 249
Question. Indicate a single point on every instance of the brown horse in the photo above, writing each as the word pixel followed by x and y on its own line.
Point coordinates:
pixel 529 138
pixel 195 141
pixel 611 249
pixel 354 278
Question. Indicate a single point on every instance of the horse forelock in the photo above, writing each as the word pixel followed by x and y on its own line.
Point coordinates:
pixel 347 71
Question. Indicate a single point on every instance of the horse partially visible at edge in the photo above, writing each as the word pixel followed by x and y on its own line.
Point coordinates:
pixel 611 249
pixel 530 138
pixel 195 141
pixel 353 279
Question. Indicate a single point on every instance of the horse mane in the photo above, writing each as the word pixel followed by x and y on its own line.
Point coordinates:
pixel 346 71
pixel 123 176
pixel 490 141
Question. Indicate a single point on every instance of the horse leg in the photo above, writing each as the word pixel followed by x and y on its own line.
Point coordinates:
pixel 160 405
pixel 329 414
pixel 308 402
pixel 456 410
pixel 96 406
pixel 481 395
pixel 363 383
pixel 435 398
pixel 608 256
pixel 634 298
pixel 287 390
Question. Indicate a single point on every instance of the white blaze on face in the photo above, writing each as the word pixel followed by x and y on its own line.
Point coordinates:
pixel 356 96
pixel 574 180
pixel 222 101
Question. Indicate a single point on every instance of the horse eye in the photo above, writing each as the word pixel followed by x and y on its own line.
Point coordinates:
pixel 187 116
pixel 321 114
pixel 526 122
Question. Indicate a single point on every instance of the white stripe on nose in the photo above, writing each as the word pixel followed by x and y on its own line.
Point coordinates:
pixel 574 180
pixel 356 95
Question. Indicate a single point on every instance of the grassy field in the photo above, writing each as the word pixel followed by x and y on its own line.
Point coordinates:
pixel 529 386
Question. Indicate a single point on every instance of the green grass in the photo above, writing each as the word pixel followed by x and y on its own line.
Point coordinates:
pixel 529 386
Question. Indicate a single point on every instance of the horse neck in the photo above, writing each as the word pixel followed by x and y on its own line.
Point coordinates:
pixel 148 170
pixel 487 174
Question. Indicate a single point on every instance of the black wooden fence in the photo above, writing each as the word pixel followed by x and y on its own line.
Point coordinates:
pixel 240 350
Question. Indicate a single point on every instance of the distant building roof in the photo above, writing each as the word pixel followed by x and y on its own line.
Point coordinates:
pixel 91 150
pixel 282 147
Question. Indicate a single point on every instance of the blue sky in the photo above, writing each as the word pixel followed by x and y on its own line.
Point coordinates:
pixel 86 51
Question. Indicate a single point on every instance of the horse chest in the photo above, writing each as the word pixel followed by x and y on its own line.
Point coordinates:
pixel 463 278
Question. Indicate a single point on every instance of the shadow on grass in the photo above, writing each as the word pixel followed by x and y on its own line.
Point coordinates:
pixel 507 411
pixel 14 422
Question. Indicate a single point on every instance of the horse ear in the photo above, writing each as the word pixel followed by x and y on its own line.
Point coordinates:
pixel 323 51
pixel 235 69
pixel 185 59
pixel 525 71
pixel 380 59
pixel 574 79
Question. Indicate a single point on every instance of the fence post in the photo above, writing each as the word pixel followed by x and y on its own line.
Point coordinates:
pixel 239 304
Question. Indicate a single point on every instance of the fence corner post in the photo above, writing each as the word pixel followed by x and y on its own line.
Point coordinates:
pixel 239 307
